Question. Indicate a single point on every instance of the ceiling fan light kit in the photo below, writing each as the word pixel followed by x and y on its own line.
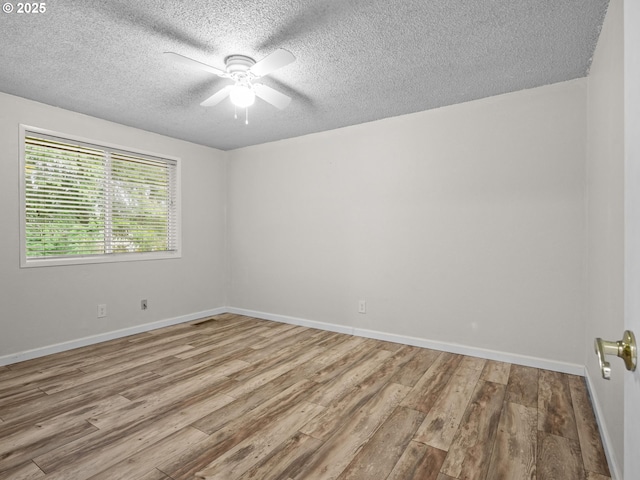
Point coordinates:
pixel 242 96
pixel 243 71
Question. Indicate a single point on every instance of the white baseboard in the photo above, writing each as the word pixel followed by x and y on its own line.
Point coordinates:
pixel 103 337
pixel 614 468
pixel 536 362
pixel 330 327
pixel 564 367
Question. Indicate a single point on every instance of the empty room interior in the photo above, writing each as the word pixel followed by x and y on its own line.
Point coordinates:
pixel 319 239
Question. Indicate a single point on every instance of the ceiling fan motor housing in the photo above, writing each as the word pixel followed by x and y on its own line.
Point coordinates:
pixel 238 64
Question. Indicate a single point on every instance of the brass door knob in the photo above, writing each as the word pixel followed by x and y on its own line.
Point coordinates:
pixel 625 349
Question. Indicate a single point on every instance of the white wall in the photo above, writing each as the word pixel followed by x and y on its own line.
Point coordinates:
pixel 459 225
pixel 463 224
pixel 605 221
pixel 40 307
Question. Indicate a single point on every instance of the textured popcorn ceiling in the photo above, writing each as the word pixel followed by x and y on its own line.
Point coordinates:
pixel 357 60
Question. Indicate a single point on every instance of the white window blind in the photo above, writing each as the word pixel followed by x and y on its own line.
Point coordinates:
pixel 82 199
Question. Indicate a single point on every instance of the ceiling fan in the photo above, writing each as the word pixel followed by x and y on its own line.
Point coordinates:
pixel 244 71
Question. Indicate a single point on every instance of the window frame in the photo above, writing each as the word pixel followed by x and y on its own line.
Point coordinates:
pixel 26 262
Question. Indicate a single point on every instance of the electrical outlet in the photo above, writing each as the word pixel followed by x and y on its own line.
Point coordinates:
pixel 102 310
pixel 362 306
pixel 143 304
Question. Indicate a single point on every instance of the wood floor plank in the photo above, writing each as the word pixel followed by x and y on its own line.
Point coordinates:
pixel 9 373
pixel 213 357
pixel 286 460
pixel 332 418
pixel 269 340
pixel 426 391
pixel 143 350
pixel 236 431
pixel 555 409
pixel 138 422
pixel 515 451
pixel 214 333
pixel 442 421
pixel 472 445
pixel 401 360
pixel 111 370
pixel 187 374
pixel 337 387
pixel 263 396
pixel 416 367
pixel 143 463
pixel 268 359
pixel 19 431
pixel 337 452
pixel 221 318
pixel 324 367
pixel 233 397
pixel 154 474
pixel 161 366
pixel 266 376
pixel 17 451
pixel 472 363
pixel 15 434
pixel 38 378
pixel 138 346
pixel 442 476
pixel 80 460
pixel 418 462
pixel 90 353
pixel 218 323
pixel 167 330
pixel 24 471
pixel 339 360
pixel 288 346
pixel 49 406
pixel 18 397
pixel 237 460
pixel 593 455
pixel 497 372
pixel 279 329
pixel 597 476
pixel 162 401
pixel 392 347
pixel 523 386
pixel 137 350
pixel 234 339
pixel 380 454
pixel 559 457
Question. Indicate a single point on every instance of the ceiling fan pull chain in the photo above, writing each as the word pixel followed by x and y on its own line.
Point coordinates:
pixel 235 112
pixel 246 120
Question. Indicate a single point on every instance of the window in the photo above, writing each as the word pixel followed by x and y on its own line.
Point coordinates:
pixel 87 203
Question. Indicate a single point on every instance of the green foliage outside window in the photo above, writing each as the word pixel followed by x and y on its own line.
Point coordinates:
pixel 84 200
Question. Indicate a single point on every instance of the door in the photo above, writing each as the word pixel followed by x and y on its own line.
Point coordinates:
pixel 632 230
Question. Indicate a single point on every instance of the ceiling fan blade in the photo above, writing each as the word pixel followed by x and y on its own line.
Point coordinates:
pixel 217 97
pixel 274 61
pixel 274 97
pixel 176 57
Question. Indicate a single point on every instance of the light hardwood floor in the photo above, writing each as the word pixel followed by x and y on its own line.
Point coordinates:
pixel 235 397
